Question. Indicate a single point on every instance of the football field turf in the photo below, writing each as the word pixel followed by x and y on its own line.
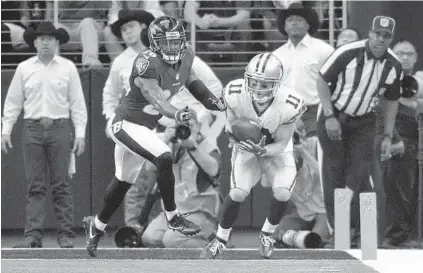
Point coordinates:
pixel 177 261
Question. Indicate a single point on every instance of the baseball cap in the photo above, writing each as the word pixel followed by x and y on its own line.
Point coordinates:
pixel 383 23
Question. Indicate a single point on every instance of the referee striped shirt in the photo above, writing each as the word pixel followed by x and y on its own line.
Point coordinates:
pixel 358 78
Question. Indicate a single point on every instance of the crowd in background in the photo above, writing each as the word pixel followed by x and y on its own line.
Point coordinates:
pixel 220 26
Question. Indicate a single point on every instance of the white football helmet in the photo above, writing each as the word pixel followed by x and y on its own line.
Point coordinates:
pixel 263 76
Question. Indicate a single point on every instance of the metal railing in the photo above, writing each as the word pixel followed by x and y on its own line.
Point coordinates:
pixel 239 50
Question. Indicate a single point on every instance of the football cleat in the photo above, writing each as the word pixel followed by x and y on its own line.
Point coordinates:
pixel 266 244
pixel 212 249
pixel 92 235
pixel 181 224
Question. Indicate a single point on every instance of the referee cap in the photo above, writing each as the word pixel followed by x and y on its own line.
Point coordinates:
pixel 383 23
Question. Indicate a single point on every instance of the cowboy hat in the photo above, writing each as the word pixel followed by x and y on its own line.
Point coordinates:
pixel 125 16
pixel 45 28
pixel 297 8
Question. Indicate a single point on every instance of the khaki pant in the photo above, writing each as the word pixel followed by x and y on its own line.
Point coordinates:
pixel 293 221
pixel 158 234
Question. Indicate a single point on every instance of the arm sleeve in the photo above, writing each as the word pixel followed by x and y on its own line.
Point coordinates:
pixel 207 76
pixel 334 65
pixel 14 102
pixel 77 104
pixel 393 84
pixel 112 92
pixel 203 179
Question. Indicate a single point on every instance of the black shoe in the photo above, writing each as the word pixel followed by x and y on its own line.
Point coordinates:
pixel 64 242
pixel 92 235
pixel 182 225
pixel 212 249
pixel 29 242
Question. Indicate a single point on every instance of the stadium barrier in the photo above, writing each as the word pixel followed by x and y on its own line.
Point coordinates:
pixel 95 167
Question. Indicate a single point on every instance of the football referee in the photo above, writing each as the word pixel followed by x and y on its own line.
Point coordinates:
pixel 353 80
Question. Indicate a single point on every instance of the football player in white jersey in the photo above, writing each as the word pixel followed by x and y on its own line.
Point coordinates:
pixel 260 98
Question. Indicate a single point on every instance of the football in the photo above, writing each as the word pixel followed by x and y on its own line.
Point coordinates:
pixel 244 129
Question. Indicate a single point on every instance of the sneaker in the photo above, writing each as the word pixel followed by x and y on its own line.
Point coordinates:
pixel 266 244
pixel 29 242
pixel 182 225
pixel 92 235
pixel 212 249
pixel 64 242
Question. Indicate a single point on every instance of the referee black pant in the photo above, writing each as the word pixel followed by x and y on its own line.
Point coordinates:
pixel 348 162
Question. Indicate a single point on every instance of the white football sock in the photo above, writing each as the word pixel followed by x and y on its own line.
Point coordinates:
pixel 98 224
pixel 268 227
pixel 170 214
pixel 223 233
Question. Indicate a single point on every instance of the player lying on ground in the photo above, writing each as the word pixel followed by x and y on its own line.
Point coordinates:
pixel 157 75
pixel 271 111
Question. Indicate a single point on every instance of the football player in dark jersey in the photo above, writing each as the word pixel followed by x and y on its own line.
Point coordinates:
pixel 157 74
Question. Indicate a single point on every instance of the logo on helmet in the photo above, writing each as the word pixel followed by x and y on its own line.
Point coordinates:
pixel 165 23
pixel 384 22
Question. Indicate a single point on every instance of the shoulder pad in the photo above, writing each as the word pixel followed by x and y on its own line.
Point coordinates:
pixel 294 107
pixel 232 90
pixel 146 64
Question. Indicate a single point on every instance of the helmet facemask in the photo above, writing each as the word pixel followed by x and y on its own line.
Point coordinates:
pixel 171 49
pixel 260 88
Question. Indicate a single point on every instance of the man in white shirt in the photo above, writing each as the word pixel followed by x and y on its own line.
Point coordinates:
pixel 131 27
pixel 302 57
pixel 49 90
pixel 113 45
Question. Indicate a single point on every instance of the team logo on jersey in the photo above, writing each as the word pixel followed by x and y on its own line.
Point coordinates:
pixel 142 66
pixel 116 127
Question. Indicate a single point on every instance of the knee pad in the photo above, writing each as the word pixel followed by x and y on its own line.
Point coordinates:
pixel 238 195
pixel 164 162
pixel 281 194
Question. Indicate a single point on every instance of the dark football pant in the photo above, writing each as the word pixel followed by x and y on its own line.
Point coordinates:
pixel 400 179
pixel 349 162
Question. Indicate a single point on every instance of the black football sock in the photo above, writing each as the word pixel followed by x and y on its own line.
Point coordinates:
pixel 113 196
pixel 277 209
pixel 166 181
pixel 230 210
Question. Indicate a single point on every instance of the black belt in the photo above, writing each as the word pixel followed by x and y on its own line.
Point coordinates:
pixel 343 117
pixel 47 122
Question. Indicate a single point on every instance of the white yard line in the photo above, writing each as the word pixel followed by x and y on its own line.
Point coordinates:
pixel 394 261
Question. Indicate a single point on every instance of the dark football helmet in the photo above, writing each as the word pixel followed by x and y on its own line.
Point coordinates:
pixel 167 39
